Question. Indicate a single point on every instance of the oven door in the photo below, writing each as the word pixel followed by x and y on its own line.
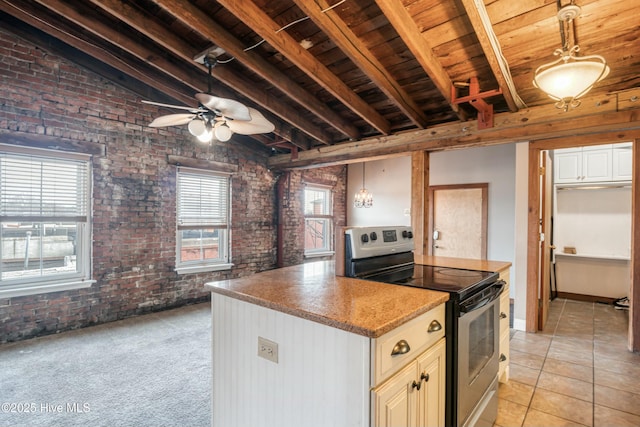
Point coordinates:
pixel 478 341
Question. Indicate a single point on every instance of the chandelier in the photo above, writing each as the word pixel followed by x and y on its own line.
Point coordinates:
pixel 363 198
pixel 570 76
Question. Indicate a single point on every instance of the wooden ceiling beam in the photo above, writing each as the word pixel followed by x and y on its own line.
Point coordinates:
pixel 191 78
pixel 405 26
pixel 340 33
pixel 184 51
pixel 210 29
pixel 532 124
pixel 29 15
pixel 263 25
pixel 484 37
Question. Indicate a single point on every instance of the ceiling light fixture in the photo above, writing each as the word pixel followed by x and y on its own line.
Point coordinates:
pixel 201 129
pixel 363 198
pixel 222 132
pixel 569 77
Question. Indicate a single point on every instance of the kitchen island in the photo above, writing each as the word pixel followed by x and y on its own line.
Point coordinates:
pixel 302 346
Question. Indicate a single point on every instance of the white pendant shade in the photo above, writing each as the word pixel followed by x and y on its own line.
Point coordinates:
pixel 570 76
pixel 570 80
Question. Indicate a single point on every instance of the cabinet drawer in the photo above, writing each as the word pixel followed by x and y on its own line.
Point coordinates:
pixel 409 340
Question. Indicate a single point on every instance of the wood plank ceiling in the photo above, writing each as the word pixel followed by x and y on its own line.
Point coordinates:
pixel 329 72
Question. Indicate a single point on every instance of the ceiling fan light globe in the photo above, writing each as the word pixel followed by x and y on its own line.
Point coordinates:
pixel 223 133
pixel 197 127
pixel 206 136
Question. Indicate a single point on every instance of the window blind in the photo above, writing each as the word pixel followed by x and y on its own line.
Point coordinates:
pixel 35 188
pixel 202 200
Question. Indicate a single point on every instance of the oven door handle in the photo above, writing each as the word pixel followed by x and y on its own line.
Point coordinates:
pixel 483 298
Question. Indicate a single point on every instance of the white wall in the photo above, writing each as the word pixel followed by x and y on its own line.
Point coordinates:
pixel 389 181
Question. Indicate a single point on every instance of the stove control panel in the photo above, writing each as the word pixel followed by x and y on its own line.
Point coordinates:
pixel 365 242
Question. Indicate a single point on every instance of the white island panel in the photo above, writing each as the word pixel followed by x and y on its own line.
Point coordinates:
pixel 322 377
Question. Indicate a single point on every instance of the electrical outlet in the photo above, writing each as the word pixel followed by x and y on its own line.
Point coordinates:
pixel 268 349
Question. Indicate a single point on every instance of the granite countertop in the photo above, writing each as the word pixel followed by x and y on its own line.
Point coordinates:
pixel 312 291
pixel 468 264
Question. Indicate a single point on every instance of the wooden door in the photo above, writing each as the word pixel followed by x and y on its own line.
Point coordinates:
pixel 458 220
pixel 544 276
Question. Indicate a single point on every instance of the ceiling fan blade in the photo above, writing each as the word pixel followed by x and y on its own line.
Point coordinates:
pixel 226 107
pixel 178 107
pixel 257 124
pixel 172 120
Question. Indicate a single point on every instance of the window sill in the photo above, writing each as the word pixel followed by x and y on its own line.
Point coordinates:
pixel 203 268
pixel 44 288
pixel 318 254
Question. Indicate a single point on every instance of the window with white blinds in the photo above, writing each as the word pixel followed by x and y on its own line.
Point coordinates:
pixel 202 200
pixel 43 189
pixel 202 220
pixel 44 220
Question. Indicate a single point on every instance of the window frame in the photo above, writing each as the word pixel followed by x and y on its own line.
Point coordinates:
pixel 224 242
pixel 327 218
pixel 81 278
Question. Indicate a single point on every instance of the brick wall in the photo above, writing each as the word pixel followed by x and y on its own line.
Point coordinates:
pixel 47 100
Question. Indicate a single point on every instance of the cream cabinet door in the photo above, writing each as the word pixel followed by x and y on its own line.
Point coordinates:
pixel 395 400
pixel 431 368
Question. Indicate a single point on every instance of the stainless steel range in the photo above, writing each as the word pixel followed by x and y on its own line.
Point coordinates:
pixel 385 254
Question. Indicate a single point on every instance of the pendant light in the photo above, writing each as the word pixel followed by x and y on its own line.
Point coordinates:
pixel 570 76
pixel 363 198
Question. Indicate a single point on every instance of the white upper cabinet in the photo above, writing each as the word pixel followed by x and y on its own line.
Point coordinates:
pixel 622 162
pixel 598 163
pixel 567 165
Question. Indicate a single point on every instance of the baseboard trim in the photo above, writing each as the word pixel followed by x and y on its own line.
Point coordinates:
pixel 520 324
pixel 587 298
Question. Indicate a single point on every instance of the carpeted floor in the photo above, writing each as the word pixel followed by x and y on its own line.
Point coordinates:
pixel 152 370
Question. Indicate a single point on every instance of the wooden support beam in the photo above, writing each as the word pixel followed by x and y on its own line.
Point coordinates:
pixel 526 125
pixel 183 50
pixel 261 23
pixel 403 22
pixel 486 39
pixel 420 201
pixel 193 17
pixel 340 33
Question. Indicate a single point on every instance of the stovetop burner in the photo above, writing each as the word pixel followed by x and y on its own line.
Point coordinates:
pixel 457 282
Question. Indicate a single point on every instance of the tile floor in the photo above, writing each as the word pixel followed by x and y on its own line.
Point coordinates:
pixel 577 372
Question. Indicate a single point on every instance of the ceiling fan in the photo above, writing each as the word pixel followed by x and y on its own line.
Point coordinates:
pixel 214 116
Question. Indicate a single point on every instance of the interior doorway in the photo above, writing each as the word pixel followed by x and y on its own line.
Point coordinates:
pixel 533 233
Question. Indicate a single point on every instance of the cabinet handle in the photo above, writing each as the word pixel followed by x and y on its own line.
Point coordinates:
pixel 434 326
pixel 424 377
pixel 503 315
pixel 401 347
pixel 502 357
pixel 416 385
